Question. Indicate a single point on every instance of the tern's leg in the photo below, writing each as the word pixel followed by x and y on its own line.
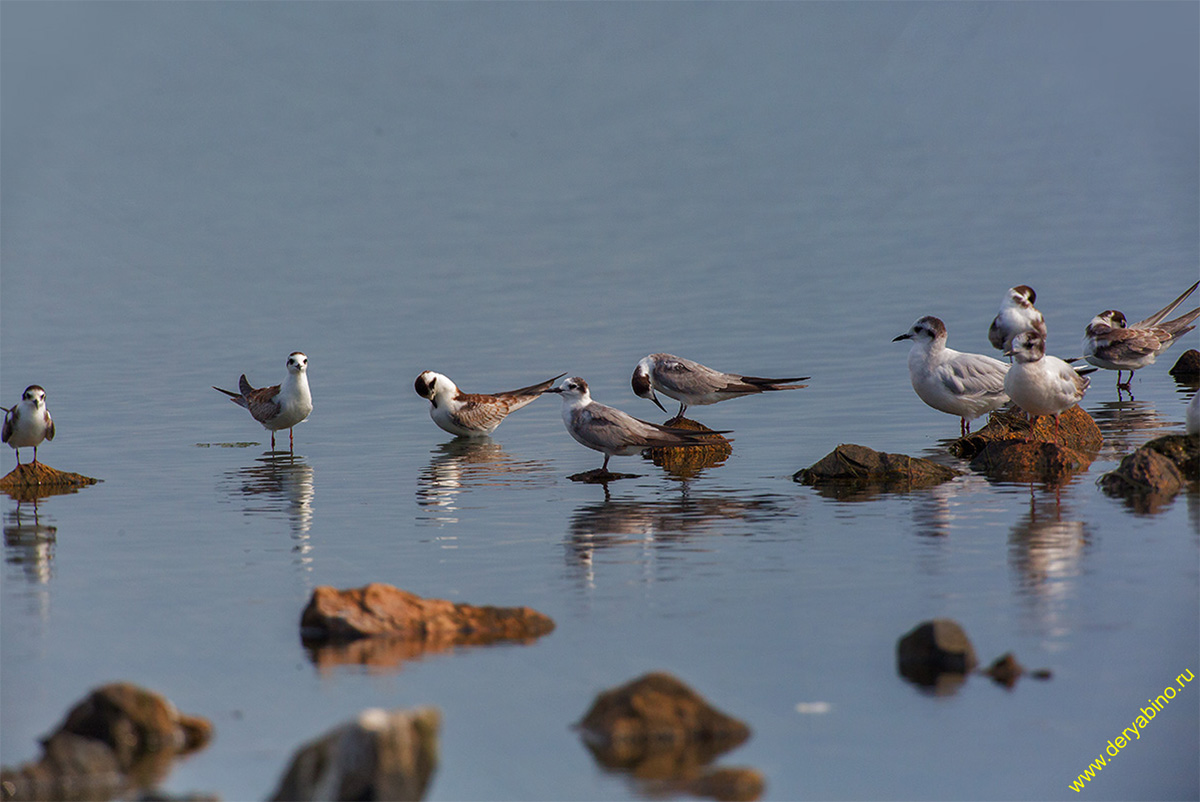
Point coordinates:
pixel 291 442
pixel 272 439
pixel 682 409
pixel 604 467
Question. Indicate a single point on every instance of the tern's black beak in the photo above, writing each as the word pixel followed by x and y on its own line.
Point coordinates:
pixel 657 403
pixel 905 336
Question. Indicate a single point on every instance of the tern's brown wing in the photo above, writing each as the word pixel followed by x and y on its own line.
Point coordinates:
pixel 260 402
pixel 49 425
pixel 482 412
pixel 9 421
pixel 1126 345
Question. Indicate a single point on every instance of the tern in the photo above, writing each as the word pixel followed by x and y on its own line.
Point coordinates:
pixel 281 406
pixel 693 384
pixel 1039 383
pixel 28 423
pixel 473 414
pixel 1110 343
pixel 1017 314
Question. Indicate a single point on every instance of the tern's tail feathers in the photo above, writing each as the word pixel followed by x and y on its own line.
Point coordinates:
pixel 1182 324
pixel 534 389
pixel 244 385
pixel 759 383
pixel 236 398
pixel 1166 310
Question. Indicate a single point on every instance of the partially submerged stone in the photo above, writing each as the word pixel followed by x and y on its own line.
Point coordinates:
pixel 1076 431
pixel 1149 478
pixel 936 654
pixel 1005 670
pixel 381 610
pixel 381 755
pixel 600 476
pixel 856 469
pixel 1039 461
pixel 660 731
pixel 30 481
pixel 1187 367
pixel 120 739
pixel 688 461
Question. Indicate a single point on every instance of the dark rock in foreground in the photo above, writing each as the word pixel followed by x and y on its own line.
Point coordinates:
pixel 30 481
pixel 663 733
pixel 382 755
pixel 380 610
pixel 857 470
pixel 118 740
pixel 1187 367
pixel 936 654
pixel 599 476
pixel 1149 478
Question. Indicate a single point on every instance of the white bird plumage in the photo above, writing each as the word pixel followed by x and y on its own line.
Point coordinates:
pixel 962 384
pixel 1110 343
pixel 1017 314
pixel 28 423
pixel 281 406
pixel 693 384
pixel 472 414
pixel 1039 383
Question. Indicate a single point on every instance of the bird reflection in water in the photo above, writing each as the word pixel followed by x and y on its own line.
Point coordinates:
pixel 1045 548
pixel 29 542
pixel 654 525
pixel 281 486
pixel 1128 424
pixel 464 463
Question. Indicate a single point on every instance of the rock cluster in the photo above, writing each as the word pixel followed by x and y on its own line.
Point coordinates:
pixel 1149 478
pixel 937 655
pixel 1008 449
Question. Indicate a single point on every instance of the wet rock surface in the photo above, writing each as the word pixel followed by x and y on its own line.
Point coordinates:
pixel 1008 449
pixel 30 481
pixel 381 755
pixel 857 471
pixel 383 611
pixel 1187 367
pixel 664 734
pixel 1149 479
pixel 118 740
pixel 689 461
pixel 599 476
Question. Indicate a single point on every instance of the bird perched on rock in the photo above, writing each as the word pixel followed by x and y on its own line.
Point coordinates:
pixel 1110 343
pixel 962 384
pixel 1039 383
pixel 28 423
pixel 611 431
pixel 693 384
pixel 281 406
pixel 1017 314
pixel 473 414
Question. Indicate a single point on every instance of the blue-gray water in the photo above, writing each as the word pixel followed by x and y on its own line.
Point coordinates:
pixel 506 192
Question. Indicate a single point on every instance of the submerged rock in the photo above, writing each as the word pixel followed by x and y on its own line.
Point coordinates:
pixel 936 654
pixel 1187 367
pixel 1150 478
pixel 405 624
pixel 690 460
pixel 30 481
pixel 600 476
pixel 1005 670
pixel 120 739
pixel 660 731
pixel 856 470
pixel 382 755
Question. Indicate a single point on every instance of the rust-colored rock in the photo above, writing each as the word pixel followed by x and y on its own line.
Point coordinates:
pixel 1145 479
pixel 382 610
pixel 121 738
pixel 1077 431
pixel 936 654
pixel 1039 461
pixel 1005 670
pixel 1181 449
pixel 852 471
pixel 664 734
pixel 689 461
pixel 30 481
pixel 1187 367
pixel 382 755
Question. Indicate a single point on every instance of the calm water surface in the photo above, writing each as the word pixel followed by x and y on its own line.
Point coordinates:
pixel 503 193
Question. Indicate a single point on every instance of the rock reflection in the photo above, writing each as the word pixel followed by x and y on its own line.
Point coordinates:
pixel 935 509
pixel 464 463
pixel 29 543
pixel 280 485
pixel 1126 424
pixel 1045 548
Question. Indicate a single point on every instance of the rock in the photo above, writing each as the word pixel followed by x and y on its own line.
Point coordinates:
pixel 30 481
pixel 121 738
pixel 857 471
pixel 383 610
pixel 599 476
pixel 1181 449
pixel 688 461
pixel 1145 479
pixel 1005 670
pixel 1077 431
pixel 1187 367
pixel 1039 461
pixel 728 785
pixel 382 755
pixel 936 654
